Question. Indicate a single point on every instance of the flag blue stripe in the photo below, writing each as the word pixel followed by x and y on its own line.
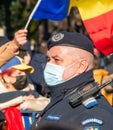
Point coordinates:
pixel 52 9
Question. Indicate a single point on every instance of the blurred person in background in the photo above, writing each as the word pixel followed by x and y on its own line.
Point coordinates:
pixel 14 79
pixel 8 49
pixel 101 76
pixel 37 60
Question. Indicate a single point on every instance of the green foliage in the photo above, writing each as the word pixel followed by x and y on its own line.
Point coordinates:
pixel 2 15
pixel 19 13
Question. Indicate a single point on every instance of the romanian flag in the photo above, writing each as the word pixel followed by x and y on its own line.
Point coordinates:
pixel 97 16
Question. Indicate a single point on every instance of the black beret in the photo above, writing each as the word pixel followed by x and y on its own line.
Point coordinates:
pixel 72 39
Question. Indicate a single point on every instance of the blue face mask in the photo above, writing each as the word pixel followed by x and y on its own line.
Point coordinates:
pixel 53 74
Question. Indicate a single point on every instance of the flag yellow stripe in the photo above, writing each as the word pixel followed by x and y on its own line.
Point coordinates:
pixel 92 8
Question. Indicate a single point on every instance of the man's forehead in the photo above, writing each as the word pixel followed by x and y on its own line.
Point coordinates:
pixel 58 50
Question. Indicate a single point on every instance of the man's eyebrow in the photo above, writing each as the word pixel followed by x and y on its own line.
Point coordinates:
pixel 56 56
pixel 48 55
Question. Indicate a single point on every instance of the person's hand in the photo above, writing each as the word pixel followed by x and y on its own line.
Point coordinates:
pixel 20 37
pixel 25 105
pixel 29 97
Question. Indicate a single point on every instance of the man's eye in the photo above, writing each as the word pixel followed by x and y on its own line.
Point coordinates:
pixel 57 60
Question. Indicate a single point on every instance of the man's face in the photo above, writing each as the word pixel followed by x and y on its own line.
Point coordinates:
pixel 59 55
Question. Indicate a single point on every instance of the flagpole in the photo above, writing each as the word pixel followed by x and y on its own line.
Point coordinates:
pixel 32 13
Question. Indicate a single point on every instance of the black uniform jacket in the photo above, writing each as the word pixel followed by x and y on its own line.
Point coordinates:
pixel 98 117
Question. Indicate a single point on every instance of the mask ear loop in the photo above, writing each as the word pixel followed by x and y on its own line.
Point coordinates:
pixel 69 67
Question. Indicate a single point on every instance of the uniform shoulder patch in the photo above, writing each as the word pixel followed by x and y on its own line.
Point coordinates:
pixel 92 120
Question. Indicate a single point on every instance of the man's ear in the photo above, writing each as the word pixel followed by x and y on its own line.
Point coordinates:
pixel 83 66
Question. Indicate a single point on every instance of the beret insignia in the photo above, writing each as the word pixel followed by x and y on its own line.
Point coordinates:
pixel 57 37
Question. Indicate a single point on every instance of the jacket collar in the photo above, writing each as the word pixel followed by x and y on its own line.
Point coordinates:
pixel 74 83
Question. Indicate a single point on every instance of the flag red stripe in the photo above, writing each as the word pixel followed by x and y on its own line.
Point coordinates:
pixel 100 29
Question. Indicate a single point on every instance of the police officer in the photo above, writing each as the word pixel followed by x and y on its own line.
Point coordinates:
pixel 68 74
